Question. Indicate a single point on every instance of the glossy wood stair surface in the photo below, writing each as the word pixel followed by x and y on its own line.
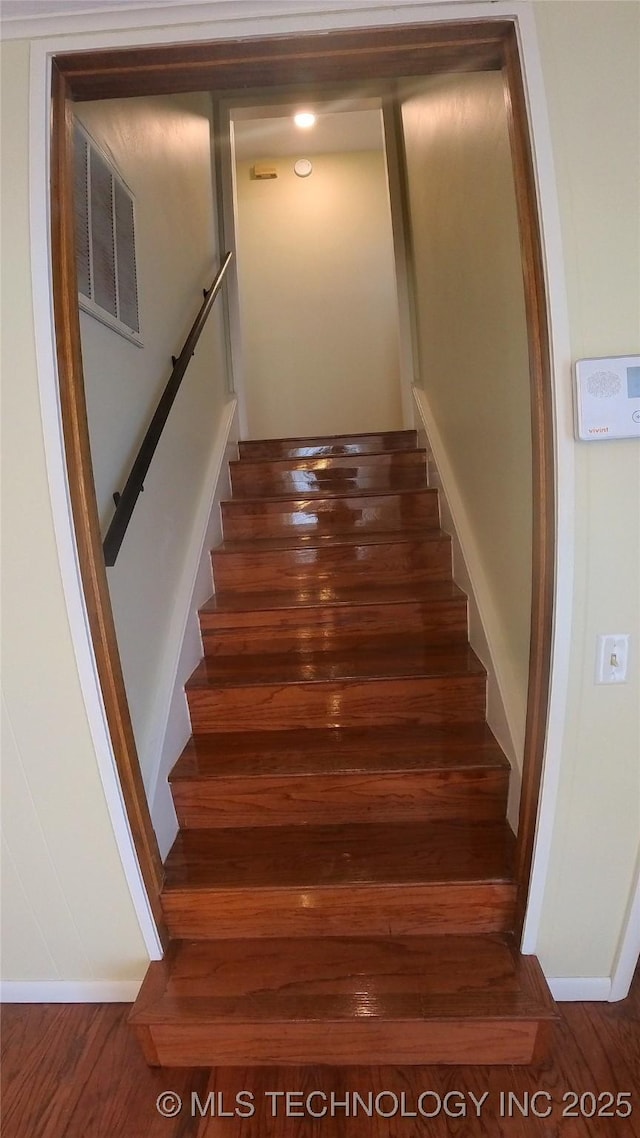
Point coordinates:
pixel 342 512
pixel 386 470
pixel 319 445
pixel 340 775
pixel 341 887
pixel 399 683
pixel 302 562
pixel 234 623
pixel 312 880
pixel 451 999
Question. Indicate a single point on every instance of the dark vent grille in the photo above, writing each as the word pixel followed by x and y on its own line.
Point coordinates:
pixel 81 190
pixel 104 257
pixel 126 258
pixel 105 240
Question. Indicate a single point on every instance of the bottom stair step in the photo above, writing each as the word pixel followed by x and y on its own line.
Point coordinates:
pixel 413 1000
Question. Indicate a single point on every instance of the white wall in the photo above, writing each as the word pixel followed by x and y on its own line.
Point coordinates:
pixel 473 357
pixel 161 146
pixel 595 128
pixel 67 911
pixel 318 298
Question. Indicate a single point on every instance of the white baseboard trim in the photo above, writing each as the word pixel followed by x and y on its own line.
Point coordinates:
pixel 194 588
pixel 69 991
pixel 505 717
pixel 566 989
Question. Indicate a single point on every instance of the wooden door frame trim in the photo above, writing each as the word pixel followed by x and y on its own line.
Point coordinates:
pixel 543 471
pixel 280 60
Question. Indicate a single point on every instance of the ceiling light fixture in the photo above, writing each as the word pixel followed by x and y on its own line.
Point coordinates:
pixel 304 119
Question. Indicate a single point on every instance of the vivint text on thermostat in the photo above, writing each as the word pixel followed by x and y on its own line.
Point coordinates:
pixel 608 398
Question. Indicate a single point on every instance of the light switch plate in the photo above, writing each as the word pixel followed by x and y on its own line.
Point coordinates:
pixel 612 659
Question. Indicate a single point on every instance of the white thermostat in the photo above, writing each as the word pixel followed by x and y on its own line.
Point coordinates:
pixel 608 398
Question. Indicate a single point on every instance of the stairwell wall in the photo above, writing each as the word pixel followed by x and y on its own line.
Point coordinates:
pixel 318 298
pixel 473 365
pixel 161 147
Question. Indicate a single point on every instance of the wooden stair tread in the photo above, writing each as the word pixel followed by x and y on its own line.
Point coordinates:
pixel 322 541
pixel 299 613
pixel 339 749
pixel 395 659
pixel 282 563
pixel 291 857
pixel 253 477
pixel 340 776
pixel 429 592
pixel 331 444
pixel 343 978
pixel 414 456
pixel 314 497
pixel 281 509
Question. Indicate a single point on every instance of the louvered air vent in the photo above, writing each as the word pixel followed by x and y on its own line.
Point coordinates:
pixel 105 240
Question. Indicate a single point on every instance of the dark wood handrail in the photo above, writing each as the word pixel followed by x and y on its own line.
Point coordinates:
pixel 126 501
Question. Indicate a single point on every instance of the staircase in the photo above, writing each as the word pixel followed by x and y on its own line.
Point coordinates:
pixel 341 888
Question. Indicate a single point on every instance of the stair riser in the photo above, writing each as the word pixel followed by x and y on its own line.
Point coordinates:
pixel 340 1042
pixel 333 626
pixel 414 563
pixel 478 796
pixel 364 910
pixel 326 445
pixel 246 484
pixel 357 703
pixel 353 514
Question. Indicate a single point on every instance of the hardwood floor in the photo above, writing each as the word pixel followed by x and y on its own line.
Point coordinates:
pixel 75 1071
